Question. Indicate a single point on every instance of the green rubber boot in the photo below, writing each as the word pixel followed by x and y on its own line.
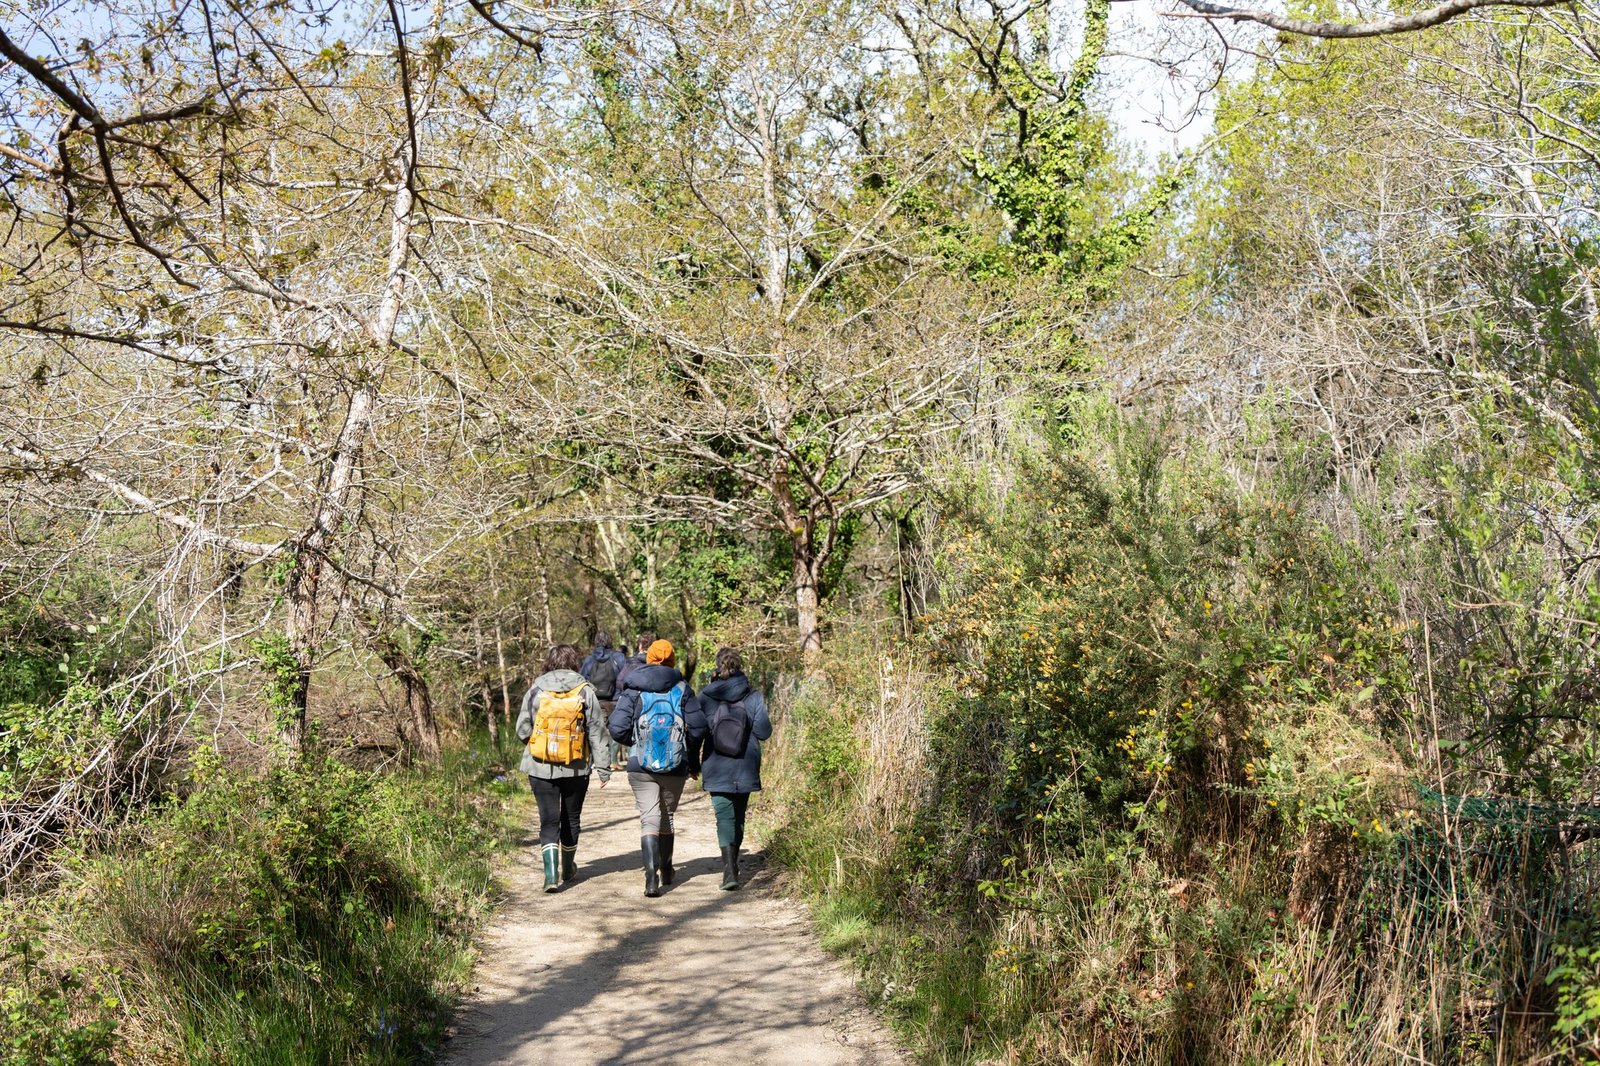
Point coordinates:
pixel 552 859
pixel 569 862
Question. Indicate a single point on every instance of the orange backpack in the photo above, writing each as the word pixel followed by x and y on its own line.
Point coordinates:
pixel 559 735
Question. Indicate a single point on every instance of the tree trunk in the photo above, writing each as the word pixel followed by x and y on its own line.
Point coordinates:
pixel 544 601
pixel 505 684
pixel 808 605
pixel 591 608
pixel 903 585
pixel 294 678
pixel 500 647
pixel 424 723
pixel 419 699
pixel 490 715
pixel 691 630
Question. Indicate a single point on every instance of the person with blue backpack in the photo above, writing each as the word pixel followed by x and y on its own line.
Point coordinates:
pixel 730 758
pixel 658 715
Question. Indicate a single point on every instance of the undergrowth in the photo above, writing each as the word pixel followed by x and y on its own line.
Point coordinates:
pixel 1169 778
pixel 313 913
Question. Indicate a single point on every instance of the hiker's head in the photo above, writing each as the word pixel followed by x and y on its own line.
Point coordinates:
pixel 562 657
pixel 729 662
pixel 602 638
pixel 646 639
pixel 661 651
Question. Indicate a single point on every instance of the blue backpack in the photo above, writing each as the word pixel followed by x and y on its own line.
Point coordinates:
pixel 658 736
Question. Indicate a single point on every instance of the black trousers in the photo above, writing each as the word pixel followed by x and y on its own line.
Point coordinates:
pixel 560 802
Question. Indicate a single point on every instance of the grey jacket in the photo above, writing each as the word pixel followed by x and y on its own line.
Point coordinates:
pixel 594 724
pixel 720 773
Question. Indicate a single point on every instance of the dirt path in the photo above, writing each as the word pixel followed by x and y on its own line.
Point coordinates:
pixel 596 973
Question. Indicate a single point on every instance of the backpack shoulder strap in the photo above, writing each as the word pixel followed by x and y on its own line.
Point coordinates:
pixel 569 694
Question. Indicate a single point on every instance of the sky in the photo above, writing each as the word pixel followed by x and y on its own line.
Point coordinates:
pixel 1155 80
pixel 1158 75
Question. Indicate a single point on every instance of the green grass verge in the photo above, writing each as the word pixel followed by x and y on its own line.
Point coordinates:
pixel 313 914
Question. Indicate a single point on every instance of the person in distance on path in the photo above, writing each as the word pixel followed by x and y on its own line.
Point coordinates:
pixel 564 730
pixel 602 668
pixel 619 758
pixel 658 715
pixel 730 756
pixel 637 660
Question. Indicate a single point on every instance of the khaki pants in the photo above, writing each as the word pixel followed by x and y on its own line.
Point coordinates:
pixel 656 797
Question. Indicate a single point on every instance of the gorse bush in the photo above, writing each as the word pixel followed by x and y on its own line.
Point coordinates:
pixel 1171 797
pixel 1138 635
pixel 312 913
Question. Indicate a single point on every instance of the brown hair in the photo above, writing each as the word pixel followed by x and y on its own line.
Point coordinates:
pixel 647 638
pixel 562 657
pixel 729 662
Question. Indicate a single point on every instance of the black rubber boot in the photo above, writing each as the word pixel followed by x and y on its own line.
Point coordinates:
pixel 569 862
pixel 667 873
pixel 551 860
pixel 730 868
pixel 651 846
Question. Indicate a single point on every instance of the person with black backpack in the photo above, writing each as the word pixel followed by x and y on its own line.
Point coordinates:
pixel 658 715
pixel 730 757
pixel 565 734
pixel 602 668
pixel 646 639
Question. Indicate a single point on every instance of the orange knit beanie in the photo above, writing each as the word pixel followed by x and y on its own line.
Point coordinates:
pixel 659 652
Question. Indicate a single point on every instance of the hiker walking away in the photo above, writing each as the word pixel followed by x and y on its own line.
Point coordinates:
pixel 730 760
pixel 619 760
pixel 659 716
pixel 636 660
pixel 564 729
pixel 601 669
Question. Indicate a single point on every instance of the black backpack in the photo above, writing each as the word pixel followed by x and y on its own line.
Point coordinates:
pixel 604 678
pixel 730 729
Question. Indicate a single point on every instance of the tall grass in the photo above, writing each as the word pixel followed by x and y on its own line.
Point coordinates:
pixel 1165 782
pixel 313 913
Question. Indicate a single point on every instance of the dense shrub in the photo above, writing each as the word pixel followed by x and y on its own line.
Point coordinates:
pixel 1174 793
pixel 312 913
pixel 49 1018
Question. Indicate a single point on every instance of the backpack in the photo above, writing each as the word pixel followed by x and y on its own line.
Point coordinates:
pixel 658 735
pixel 730 729
pixel 604 676
pixel 559 736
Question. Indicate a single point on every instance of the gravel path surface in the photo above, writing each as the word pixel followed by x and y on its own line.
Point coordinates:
pixel 596 973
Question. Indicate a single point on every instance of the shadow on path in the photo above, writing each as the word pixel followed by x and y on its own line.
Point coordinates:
pixel 597 973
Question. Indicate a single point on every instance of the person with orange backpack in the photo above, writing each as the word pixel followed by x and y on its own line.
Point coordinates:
pixel 564 730
pixel 658 715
